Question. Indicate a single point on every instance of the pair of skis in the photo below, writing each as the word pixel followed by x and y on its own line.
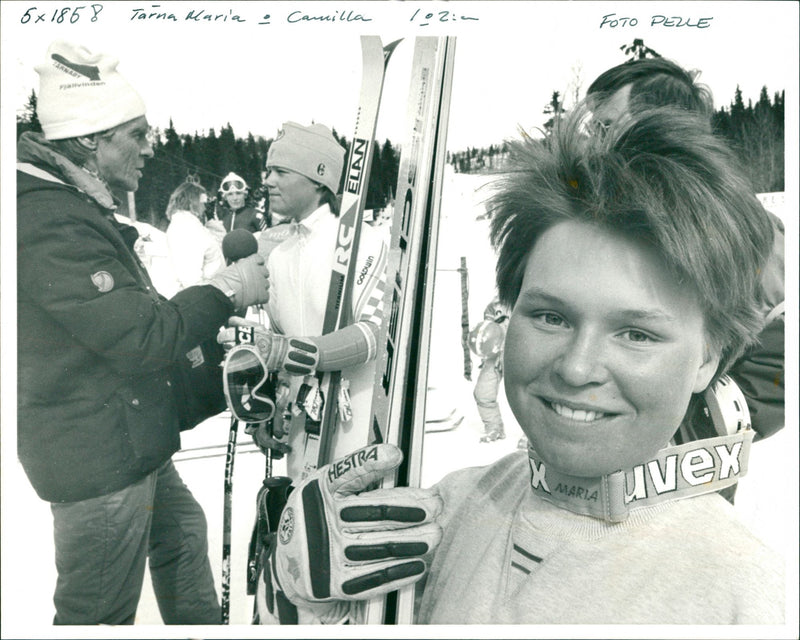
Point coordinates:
pixel 320 436
pixel 403 339
pixel 398 404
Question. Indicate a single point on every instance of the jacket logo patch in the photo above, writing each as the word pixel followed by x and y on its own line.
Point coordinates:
pixel 103 280
pixel 195 356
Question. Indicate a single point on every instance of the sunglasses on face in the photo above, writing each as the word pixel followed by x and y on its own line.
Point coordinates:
pixel 232 185
pixel 249 391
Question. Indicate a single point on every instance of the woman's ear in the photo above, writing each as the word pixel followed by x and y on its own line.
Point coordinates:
pixel 707 369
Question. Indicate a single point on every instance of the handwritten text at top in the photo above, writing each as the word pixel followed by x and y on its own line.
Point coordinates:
pixel 167 12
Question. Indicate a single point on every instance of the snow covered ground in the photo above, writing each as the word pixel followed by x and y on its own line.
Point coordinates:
pixel 766 499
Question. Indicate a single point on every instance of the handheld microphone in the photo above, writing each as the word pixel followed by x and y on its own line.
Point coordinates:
pixel 238 244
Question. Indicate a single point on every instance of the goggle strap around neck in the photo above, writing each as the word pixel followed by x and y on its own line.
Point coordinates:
pixel 676 472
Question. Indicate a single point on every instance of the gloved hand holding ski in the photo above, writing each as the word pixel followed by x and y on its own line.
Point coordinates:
pixel 297 356
pixel 336 543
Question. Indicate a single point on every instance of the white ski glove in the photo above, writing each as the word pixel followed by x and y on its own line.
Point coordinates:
pixel 297 356
pixel 337 544
pixel 245 282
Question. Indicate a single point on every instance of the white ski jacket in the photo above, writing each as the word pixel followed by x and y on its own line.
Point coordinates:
pixel 194 252
pixel 300 274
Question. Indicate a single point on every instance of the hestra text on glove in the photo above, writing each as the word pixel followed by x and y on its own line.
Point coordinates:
pixel 336 543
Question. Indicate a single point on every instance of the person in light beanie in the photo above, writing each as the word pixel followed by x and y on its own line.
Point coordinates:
pixel 304 170
pixel 99 411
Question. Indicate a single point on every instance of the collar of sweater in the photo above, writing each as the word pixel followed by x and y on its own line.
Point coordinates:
pixel 307 224
pixel 675 472
pixel 34 149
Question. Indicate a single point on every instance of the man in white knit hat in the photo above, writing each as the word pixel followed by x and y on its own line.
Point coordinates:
pixel 304 168
pixel 99 406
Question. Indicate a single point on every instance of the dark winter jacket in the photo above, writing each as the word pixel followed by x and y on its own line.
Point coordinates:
pixel 96 344
pixel 245 218
pixel 761 371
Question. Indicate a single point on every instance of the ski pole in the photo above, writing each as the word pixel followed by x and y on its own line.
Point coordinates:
pixel 226 522
pixel 465 318
pixel 270 500
pixel 260 529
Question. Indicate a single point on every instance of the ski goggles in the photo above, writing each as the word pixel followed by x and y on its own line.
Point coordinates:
pixel 232 185
pixel 248 389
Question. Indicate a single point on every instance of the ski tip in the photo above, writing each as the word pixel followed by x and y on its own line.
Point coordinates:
pixel 389 49
pixel 391 46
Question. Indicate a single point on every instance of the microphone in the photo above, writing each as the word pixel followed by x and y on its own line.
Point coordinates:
pixel 238 244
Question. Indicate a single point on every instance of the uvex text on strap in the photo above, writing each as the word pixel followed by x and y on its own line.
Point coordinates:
pixel 676 472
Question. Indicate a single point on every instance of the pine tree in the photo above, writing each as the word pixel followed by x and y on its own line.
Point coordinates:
pixel 28 119
pixel 555 109
pixel 637 50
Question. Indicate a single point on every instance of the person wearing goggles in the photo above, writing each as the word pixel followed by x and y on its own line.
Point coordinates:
pixel 232 209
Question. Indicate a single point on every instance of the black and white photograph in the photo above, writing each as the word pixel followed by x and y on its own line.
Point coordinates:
pixel 400 319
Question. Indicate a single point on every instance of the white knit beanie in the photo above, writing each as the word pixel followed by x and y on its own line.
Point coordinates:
pixel 310 151
pixel 82 93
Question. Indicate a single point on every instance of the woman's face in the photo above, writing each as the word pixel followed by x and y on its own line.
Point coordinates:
pixel 603 352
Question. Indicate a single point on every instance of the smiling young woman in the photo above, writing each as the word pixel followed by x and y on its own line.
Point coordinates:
pixel 630 262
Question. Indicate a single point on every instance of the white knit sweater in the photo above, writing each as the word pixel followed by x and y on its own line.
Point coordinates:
pixel 507 556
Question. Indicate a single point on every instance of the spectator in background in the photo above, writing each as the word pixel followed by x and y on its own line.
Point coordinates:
pixel 233 212
pixel 648 82
pixel 760 372
pixel 486 341
pixel 195 253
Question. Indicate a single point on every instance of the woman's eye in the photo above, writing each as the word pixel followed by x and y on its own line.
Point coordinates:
pixel 634 335
pixel 551 319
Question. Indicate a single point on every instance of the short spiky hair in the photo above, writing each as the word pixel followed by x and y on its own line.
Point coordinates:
pixel 656 82
pixel 660 176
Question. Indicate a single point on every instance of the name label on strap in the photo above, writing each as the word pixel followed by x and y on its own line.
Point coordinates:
pixel 676 472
